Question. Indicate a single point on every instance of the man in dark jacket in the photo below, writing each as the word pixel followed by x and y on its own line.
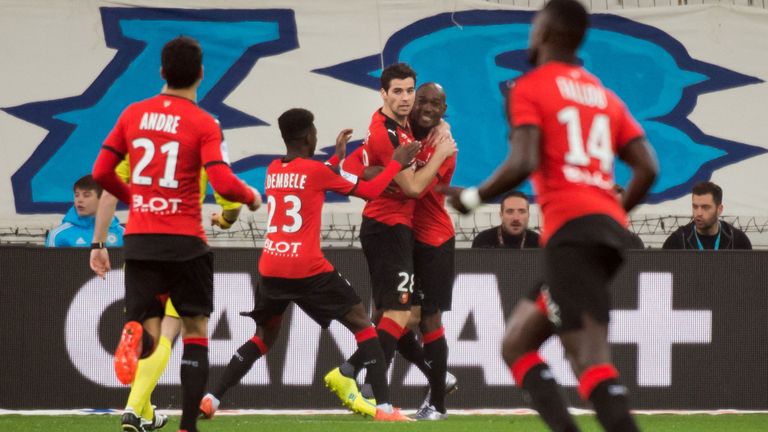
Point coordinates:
pixel 513 233
pixel 707 231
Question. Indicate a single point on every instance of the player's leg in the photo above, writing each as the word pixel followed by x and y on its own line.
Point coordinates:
pixel 527 330
pixel 587 344
pixel 191 288
pixel 389 253
pixel 267 313
pixel 137 343
pixel 372 356
pixel 151 369
pixel 434 269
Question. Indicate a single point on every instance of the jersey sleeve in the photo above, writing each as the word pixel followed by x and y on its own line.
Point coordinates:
pixel 326 179
pixel 220 200
pixel 521 106
pixel 628 127
pixel 212 139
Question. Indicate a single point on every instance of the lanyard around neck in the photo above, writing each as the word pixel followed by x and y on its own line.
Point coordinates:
pixel 717 239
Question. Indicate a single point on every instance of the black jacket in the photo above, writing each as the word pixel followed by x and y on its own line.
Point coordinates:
pixel 730 238
pixel 490 239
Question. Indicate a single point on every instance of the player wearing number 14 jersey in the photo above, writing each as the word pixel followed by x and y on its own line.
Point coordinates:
pixel 168 139
pixel 566 129
pixel 292 268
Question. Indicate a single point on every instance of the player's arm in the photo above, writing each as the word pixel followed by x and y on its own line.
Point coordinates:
pixel 639 155
pixel 414 182
pixel 99 260
pixel 369 190
pixel 219 173
pixel 341 148
pixel 112 152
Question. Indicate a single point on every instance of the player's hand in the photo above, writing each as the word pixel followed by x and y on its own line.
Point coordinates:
pixel 405 154
pixel 453 194
pixel 445 146
pixel 217 219
pixel 256 200
pixel 441 131
pixel 341 143
pixel 100 262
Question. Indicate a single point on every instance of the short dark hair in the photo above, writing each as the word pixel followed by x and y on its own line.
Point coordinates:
pixel 396 71
pixel 568 22
pixel 704 188
pixel 87 183
pixel 516 194
pixel 182 60
pixel 295 123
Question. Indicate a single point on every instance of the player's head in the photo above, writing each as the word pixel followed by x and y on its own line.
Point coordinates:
pixel 398 85
pixel 558 27
pixel 87 193
pixel 297 126
pixel 514 213
pixel 707 205
pixel 429 107
pixel 182 63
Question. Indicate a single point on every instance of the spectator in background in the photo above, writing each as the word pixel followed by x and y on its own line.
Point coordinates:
pixel 707 231
pixel 76 229
pixel 513 233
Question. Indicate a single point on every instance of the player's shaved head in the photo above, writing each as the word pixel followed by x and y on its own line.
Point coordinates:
pixel 295 124
pixel 566 23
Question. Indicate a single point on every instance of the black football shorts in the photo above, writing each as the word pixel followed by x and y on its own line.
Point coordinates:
pixel 189 283
pixel 389 252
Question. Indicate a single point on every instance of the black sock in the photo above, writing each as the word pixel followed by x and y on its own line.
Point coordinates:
pixel 535 377
pixel 436 353
pixel 194 375
pixel 412 351
pixel 242 361
pixel 371 357
pixel 612 407
pixel 389 333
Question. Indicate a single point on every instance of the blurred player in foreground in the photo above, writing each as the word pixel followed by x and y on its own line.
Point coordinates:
pixel 566 129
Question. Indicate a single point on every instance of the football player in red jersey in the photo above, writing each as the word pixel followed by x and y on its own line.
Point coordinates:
pixel 433 252
pixel 385 233
pixel 292 267
pixel 566 129
pixel 169 139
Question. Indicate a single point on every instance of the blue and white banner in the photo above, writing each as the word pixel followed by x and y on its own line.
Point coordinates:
pixel 691 75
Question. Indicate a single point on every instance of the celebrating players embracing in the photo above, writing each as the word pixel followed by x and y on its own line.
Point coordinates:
pixel 568 128
pixel 292 267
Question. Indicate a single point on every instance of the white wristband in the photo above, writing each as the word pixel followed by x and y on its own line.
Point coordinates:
pixel 470 198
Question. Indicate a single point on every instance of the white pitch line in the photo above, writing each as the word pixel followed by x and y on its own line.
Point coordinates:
pixel 494 412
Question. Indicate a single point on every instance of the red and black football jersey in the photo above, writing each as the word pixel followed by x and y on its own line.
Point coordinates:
pixel 384 136
pixel 583 126
pixel 168 140
pixel 295 195
pixel 431 223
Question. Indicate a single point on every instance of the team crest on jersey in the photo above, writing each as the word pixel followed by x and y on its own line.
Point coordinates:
pixel 492 48
pixel 404 297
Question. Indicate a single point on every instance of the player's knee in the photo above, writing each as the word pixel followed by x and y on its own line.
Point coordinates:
pixel 430 322
pixel 510 350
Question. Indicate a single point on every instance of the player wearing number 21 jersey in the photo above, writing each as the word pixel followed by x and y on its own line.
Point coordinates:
pixel 168 139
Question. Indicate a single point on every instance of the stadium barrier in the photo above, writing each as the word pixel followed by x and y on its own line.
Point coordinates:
pixel 689 331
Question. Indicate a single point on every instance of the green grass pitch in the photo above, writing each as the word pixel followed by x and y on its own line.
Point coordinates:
pixel 352 423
